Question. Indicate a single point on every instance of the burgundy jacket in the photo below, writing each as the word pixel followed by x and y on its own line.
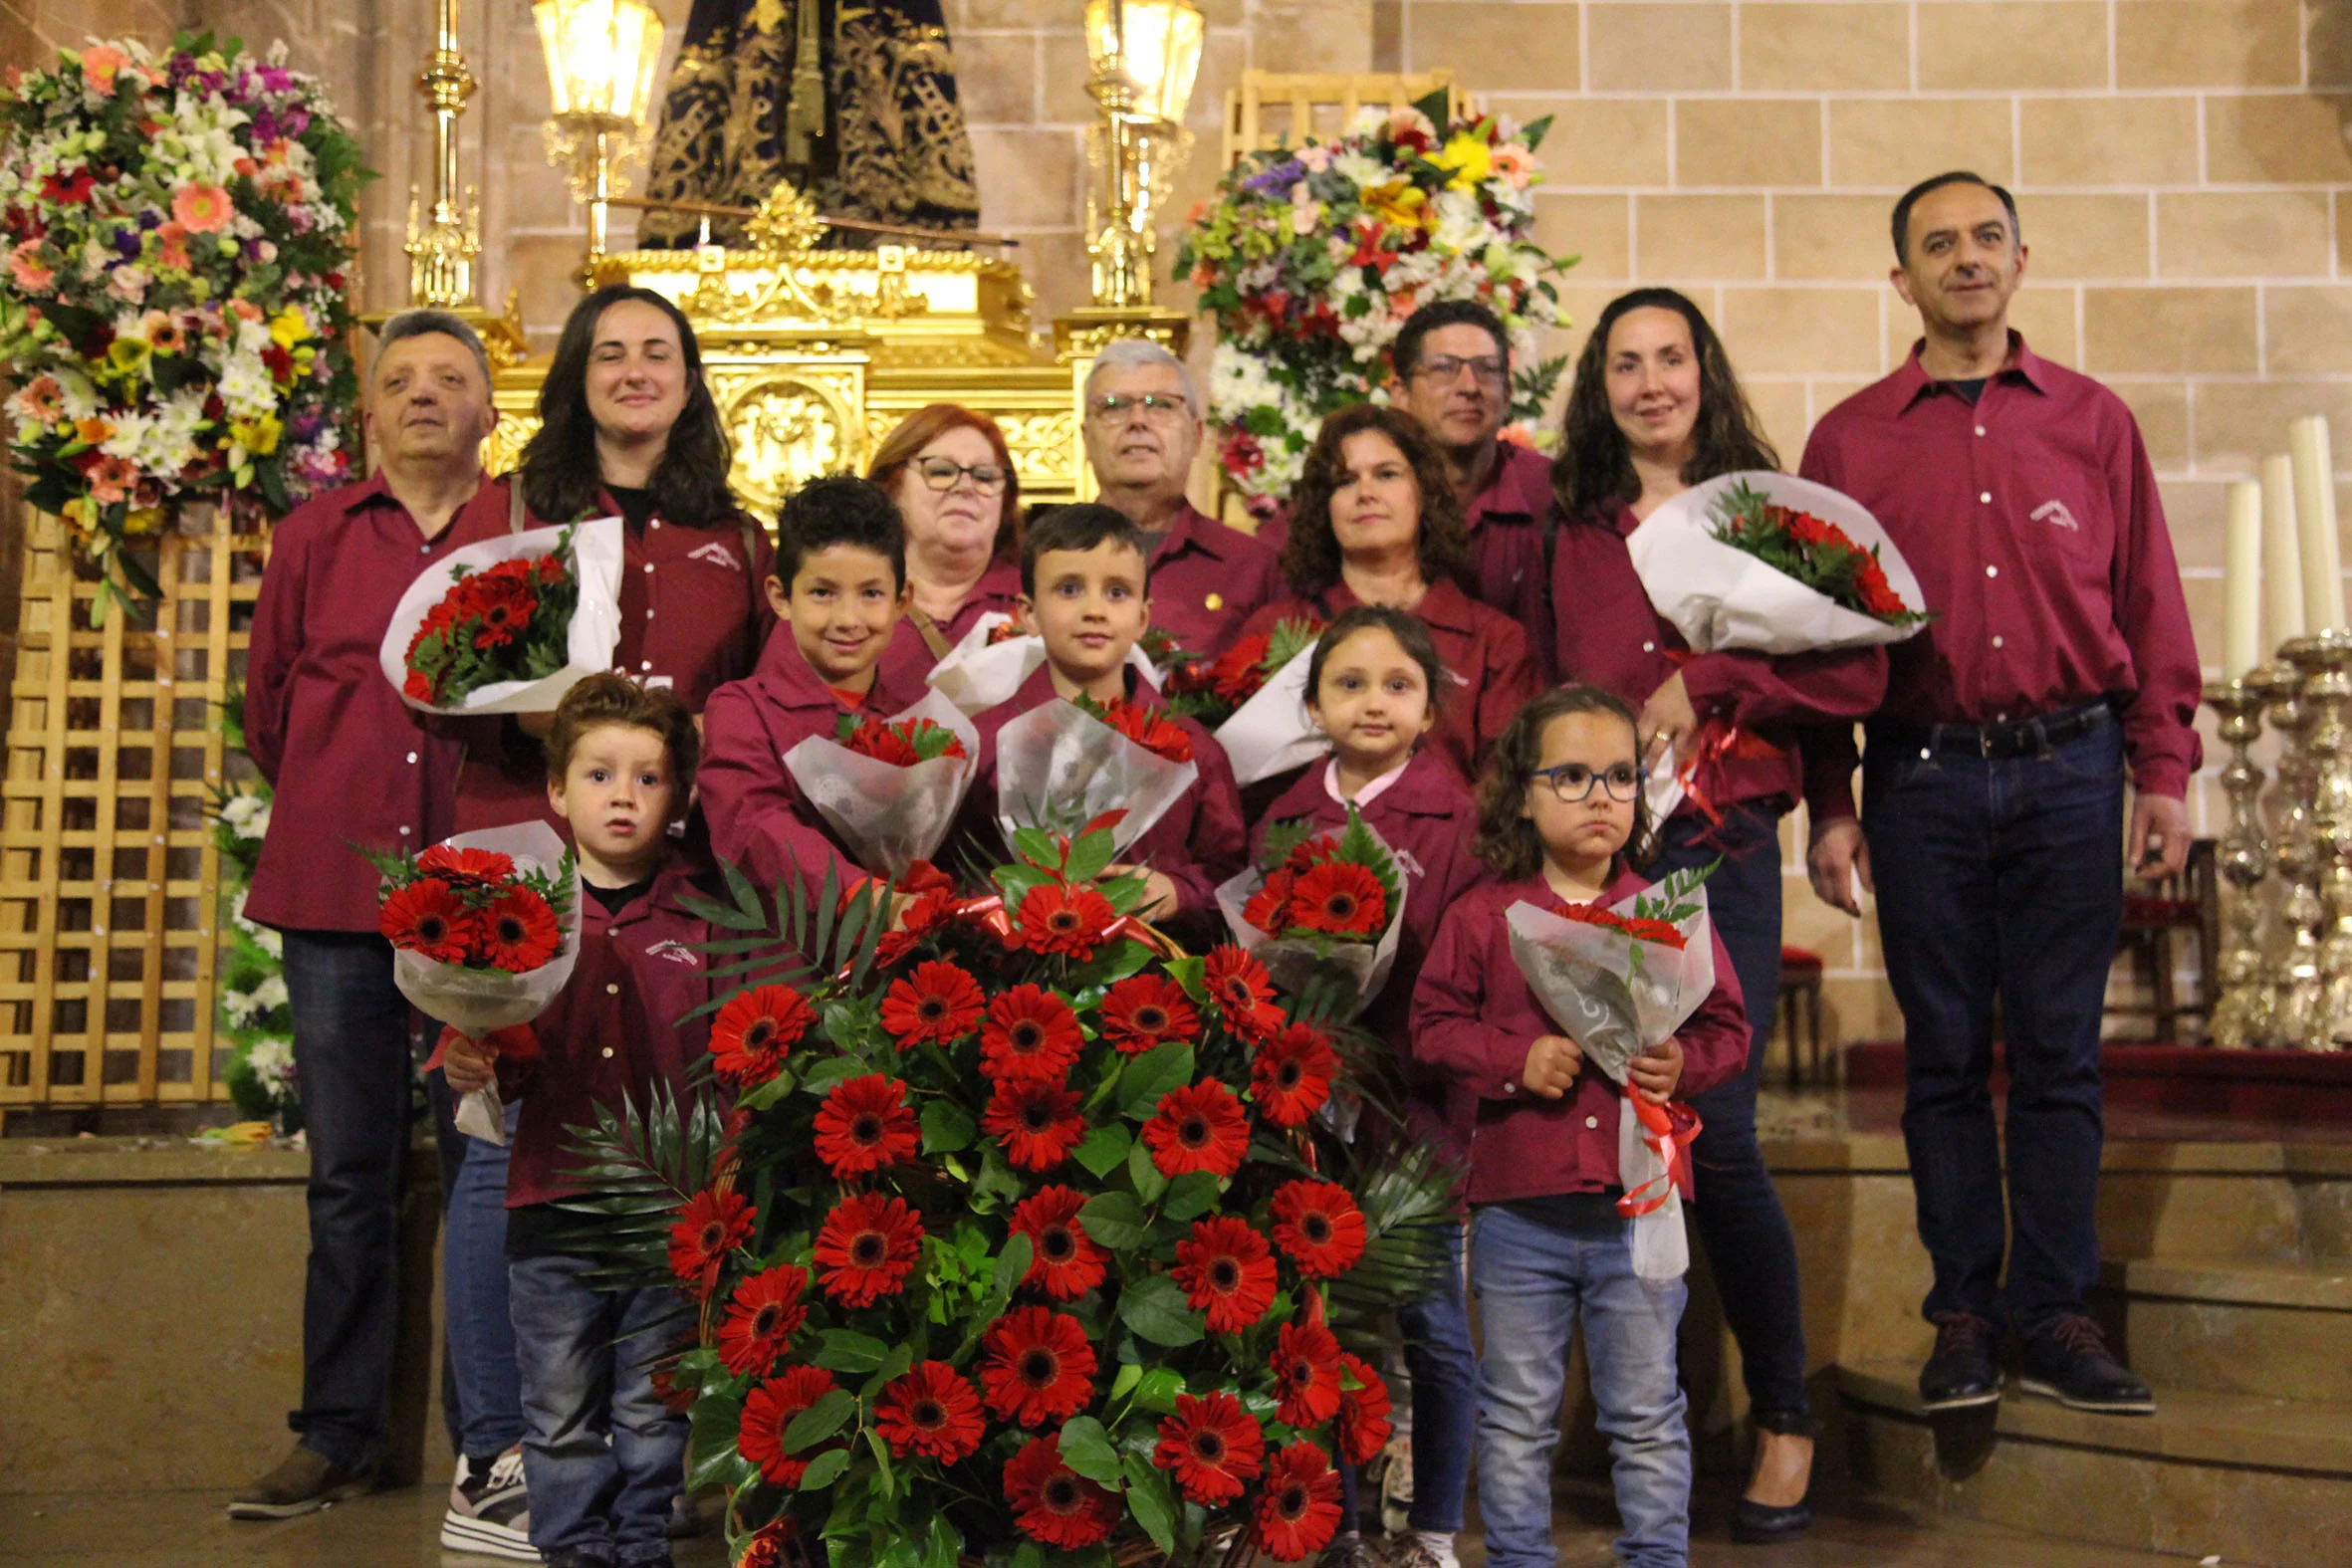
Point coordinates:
pixel 349 761
pixel 1474 1019
pixel 909 658
pixel 1205 579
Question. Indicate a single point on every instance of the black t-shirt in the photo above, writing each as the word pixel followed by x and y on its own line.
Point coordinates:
pixel 636 505
pixel 616 899
pixel 1971 389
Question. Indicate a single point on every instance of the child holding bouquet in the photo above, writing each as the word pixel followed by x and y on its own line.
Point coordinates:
pixel 1372 683
pixel 1559 801
pixel 602 1455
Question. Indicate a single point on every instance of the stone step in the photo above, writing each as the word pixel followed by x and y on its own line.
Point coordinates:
pixel 2267 1202
pixel 2250 1479
pixel 2229 1326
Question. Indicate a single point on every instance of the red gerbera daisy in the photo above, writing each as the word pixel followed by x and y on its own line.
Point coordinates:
pixel 1269 909
pixel 1242 991
pixel 1037 1366
pixel 1200 1126
pixel 932 909
pixel 502 610
pixel 864 1125
pixel 767 1409
pixel 518 931
pixel 1213 1446
pixel 1291 1076
pixel 766 1547
pixel 1340 897
pixel 1064 1260
pixel 933 1411
pixel 1306 1374
pixel 755 1030
pixel 1070 920
pixel 710 1226
pixel 1053 1503
pixel 1319 1226
pixel 427 918
pixel 1147 1010
pixel 1362 1426
pixel 1029 1033
pixel 761 1316
pixel 465 867
pixel 1299 1512
pixel 865 1247
pixel 937 1005
pixel 1227 1271
pixel 1037 1121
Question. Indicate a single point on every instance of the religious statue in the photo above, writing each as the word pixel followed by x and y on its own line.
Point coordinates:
pixel 852 101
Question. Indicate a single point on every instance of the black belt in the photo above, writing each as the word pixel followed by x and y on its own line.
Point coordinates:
pixel 1999 741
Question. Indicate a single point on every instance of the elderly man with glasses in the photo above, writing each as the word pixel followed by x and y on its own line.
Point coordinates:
pixel 1143 429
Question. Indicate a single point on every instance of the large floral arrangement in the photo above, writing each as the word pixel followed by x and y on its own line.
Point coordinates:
pixel 1311 258
pixel 173 309
pixel 1025 1236
pixel 256 1022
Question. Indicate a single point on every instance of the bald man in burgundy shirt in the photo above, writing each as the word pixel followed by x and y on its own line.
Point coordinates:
pixel 1992 783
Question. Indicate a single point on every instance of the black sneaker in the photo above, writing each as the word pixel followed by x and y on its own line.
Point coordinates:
pixel 1960 1372
pixel 2066 1359
pixel 489 1514
pixel 305 1483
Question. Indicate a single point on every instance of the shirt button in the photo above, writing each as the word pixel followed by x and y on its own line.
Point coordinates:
pixel 1979 429
pixel 649 568
pixel 607 1050
pixel 1926 755
pixel 1996 641
pixel 1510 1088
pixel 412 756
pixel 1649 648
pixel 1986 497
pixel 613 987
pixel 648 664
pixel 1593 1121
pixel 403 832
pixel 1992 572
pixel 656 523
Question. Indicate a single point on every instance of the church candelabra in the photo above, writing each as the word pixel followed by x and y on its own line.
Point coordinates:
pixel 2242 1008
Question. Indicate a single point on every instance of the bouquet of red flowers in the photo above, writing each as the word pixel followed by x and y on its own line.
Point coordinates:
pixel 1065 765
pixel 890 786
pixel 1813 552
pixel 1322 904
pixel 508 625
pixel 484 930
pixel 989 663
pixel 1255 696
pixel 1025 1241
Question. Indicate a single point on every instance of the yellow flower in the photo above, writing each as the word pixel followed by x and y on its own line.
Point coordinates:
pixel 289 329
pixel 144 521
pixel 259 436
pixel 1469 157
pixel 127 354
pixel 1399 202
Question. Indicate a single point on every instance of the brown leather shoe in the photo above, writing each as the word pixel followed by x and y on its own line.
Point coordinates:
pixel 305 1483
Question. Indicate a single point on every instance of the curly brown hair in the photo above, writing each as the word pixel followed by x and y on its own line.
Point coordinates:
pixel 1507 840
pixel 611 698
pixel 1310 561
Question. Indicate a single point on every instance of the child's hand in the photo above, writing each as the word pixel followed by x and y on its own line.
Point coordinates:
pixel 467 1065
pixel 1159 892
pixel 1552 1064
pixel 1655 1074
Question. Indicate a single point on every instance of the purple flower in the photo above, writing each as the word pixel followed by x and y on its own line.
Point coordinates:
pixel 276 79
pixel 1276 179
pixel 127 244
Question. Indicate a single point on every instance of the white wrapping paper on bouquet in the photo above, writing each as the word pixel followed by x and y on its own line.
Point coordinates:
pixel 1271 733
pixel 890 816
pixel 1293 961
pixel 1616 1004
pixel 474 1001
pixel 594 633
pixel 1720 597
pixel 1058 768
pixel 976 676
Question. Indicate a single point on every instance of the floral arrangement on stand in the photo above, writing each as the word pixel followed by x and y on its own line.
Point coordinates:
pixel 250 981
pixel 1311 258
pixel 1026 1238
pixel 173 311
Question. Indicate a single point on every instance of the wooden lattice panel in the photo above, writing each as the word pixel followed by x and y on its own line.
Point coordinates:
pixel 1273 109
pixel 110 892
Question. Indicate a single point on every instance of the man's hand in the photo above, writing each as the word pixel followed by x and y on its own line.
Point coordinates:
pixel 1838 854
pixel 1655 1073
pixel 2159 842
pixel 1667 720
pixel 467 1065
pixel 1552 1068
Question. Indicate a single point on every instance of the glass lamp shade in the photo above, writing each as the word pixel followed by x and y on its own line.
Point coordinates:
pixel 601 56
pixel 1158 43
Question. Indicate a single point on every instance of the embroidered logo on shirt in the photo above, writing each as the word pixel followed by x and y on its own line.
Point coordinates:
pixel 716 553
pixel 1406 863
pixel 2056 514
pixel 676 953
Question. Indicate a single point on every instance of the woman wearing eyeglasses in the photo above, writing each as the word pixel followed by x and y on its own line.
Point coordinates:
pixel 951 474
pixel 1655 409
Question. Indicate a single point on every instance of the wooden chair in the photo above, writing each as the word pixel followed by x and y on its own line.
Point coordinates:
pixel 1272 107
pixel 2154 914
pixel 1801 1013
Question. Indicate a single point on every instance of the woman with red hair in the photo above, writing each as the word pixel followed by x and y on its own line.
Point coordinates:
pixel 951 474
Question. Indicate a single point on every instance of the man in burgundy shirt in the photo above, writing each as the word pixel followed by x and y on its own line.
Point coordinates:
pixel 1144 429
pixel 352 766
pixel 1992 787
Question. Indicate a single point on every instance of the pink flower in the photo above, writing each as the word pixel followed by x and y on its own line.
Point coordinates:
pixel 26 266
pixel 202 209
pixel 173 241
pixel 111 480
pixel 100 63
pixel 1513 166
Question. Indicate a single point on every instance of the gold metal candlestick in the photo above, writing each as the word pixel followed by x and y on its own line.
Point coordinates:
pixel 2242 1013
pixel 1144 54
pixel 2328 689
pixel 2296 988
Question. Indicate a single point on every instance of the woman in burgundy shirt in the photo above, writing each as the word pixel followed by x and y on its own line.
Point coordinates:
pixel 1374 520
pixel 1655 409
pixel 951 472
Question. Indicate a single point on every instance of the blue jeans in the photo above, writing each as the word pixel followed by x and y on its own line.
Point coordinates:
pixel 1737 1210
pixel 2001 878
pixel 1536 1284
pixel 351 1048
pixel 1443 1368
pixel 602 1457
pixel 474 1301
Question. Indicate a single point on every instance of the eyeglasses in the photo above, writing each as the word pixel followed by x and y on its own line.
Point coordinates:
pixel 941 473
pixel 1111 407
pixel 1488 371
pixel 1573 781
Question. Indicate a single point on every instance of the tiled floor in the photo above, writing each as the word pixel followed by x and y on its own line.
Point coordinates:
pixel 400 1530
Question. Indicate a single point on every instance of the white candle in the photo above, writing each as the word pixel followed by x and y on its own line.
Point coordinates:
pixel 2282 555
pixel 2241 581
pixel 2315 521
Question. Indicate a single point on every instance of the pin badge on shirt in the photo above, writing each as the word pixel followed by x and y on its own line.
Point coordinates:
pixel 1215 601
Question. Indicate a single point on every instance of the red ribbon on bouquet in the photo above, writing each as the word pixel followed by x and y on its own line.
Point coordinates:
pixel 516 1041
pixel 1667 1130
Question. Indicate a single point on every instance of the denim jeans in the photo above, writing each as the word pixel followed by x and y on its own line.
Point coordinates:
pixel 1442 1369
pixel 602 1457
pixel 481 1329
pixel 1536 1283
pixel 1737 1210
pixel 2001 878
pixel 352 1050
